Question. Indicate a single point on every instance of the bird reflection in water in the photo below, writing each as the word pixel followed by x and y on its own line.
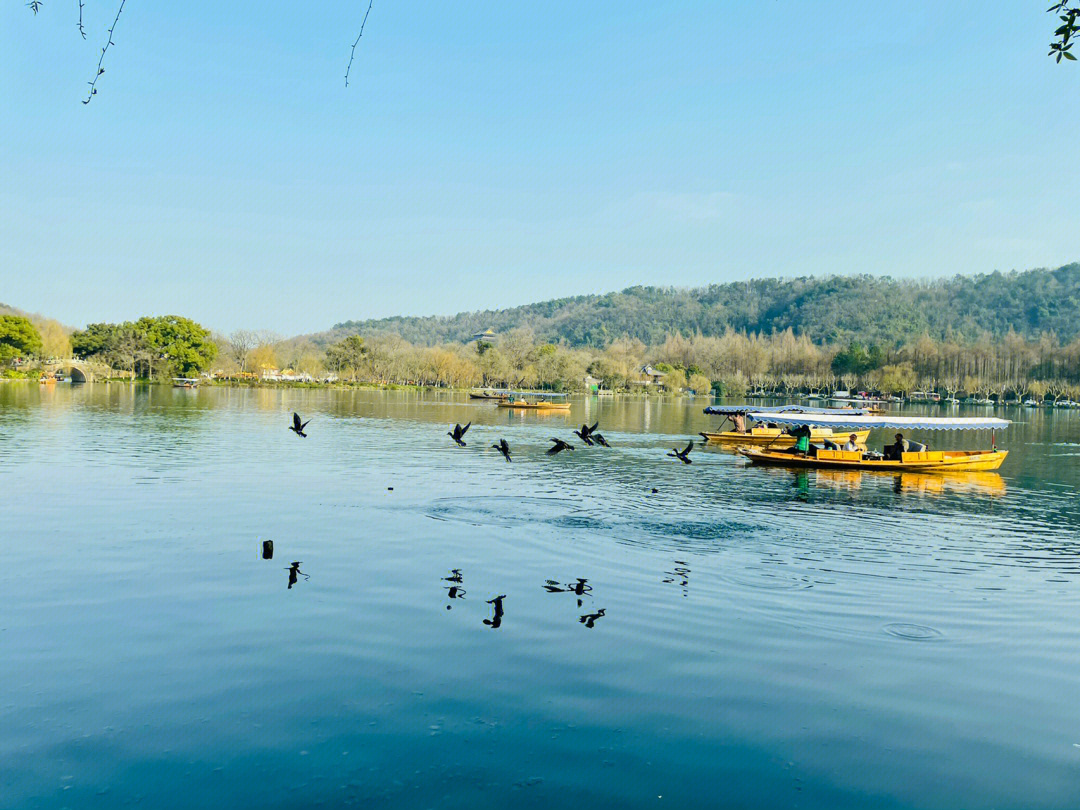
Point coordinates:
pixel 589 619
pixel 496 619
pixel 454 589
pixel 679 575
pixel 581 588
pixel 294 570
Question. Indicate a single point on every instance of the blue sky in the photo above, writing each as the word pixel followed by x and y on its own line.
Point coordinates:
pixel 489 154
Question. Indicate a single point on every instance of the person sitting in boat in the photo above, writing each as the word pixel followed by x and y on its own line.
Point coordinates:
pixel 893 451
pixel 852 444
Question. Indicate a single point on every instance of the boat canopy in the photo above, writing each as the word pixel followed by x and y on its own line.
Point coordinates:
pixel 855 421
pixel 757 412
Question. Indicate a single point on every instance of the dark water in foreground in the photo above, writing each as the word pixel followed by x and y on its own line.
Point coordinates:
pixel 743 638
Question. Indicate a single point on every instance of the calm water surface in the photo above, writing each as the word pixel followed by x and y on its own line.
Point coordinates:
pixel 741 638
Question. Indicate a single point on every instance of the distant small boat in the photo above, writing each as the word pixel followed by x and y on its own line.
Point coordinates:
pixel 185 382
pixel 47 379
pixel 488 393
pixel 535 401
pixel 951 401
pixel 1031 403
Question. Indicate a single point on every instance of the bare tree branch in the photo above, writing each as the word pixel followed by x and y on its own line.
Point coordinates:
pixel 81 29
pixel 352 53
pixel 100 69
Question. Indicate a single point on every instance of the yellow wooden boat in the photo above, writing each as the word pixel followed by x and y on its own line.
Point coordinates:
pixel 923 461
pixel 920 459
pixel 776 437
pixel 762 430
pixel 535 405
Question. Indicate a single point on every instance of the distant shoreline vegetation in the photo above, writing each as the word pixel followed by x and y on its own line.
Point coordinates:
pixel 983 336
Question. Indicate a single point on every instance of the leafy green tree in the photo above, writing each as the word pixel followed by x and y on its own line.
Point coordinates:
pixel 346 354
pixel 183 345
pixel 857 359
pixel 95 339
pixel 18 338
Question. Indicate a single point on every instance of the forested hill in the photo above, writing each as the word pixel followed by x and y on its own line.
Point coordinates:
pixel 834 308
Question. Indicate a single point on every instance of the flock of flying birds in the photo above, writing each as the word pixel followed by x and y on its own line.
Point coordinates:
pixel 587 434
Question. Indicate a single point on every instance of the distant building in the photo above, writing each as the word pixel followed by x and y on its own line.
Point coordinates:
pixel 649 376
pixel 487 336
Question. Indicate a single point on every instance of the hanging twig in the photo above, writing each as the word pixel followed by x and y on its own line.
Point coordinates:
pixel 100 69
pixel 81 29
pixel 352 53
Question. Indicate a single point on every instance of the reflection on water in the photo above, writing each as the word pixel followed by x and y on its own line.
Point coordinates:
pixel 294 571
pixel 496 612
pixel 915 483
pixel 678 575
pixel 454 590
pixel 816 638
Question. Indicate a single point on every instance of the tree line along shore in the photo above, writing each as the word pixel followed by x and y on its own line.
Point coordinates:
pixel 733 363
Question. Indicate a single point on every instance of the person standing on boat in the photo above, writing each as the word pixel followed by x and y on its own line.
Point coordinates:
pixel 739 420
pixel 802 440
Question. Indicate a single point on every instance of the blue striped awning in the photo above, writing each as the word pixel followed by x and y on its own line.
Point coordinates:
pixel 856 422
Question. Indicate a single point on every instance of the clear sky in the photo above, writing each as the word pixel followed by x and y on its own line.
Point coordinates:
pixel 489 154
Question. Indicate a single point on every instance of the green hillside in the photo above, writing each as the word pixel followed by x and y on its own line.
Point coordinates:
pixel 835 308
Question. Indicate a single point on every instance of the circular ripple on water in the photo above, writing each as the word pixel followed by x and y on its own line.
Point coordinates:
pixel 502 510
pixel 766 579
pixel 912 632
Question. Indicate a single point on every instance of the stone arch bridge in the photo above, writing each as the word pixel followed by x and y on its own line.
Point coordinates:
pixel 81 371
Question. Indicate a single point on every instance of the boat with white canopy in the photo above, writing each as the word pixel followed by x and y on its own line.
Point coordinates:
pixel 915 457
pixel 751 424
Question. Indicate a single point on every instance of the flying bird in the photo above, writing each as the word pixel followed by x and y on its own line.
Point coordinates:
pixel 457 433
pixel 503 448
pixel 683 455
pixel 558 447
pixel 583 434
pixel 298 426
pixel 599 439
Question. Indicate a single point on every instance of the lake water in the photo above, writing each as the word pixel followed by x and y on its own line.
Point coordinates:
pixel 742 637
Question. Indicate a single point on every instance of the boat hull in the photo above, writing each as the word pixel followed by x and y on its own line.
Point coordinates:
pixel 777 438
pixel 536 406
pixel 939 461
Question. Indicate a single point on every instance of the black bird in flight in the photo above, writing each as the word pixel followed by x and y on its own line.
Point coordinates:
pixel 683 455
pixel 496 619
pixel 298 426
pixel 503 448
pixel 583 434
pixel 558 447
pixel 599 439
pixel 458 432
